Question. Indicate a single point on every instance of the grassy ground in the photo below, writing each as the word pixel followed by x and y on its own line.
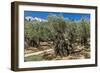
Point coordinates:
pixel 33 58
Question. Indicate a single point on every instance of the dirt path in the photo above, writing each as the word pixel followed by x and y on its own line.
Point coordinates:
pixel 36 53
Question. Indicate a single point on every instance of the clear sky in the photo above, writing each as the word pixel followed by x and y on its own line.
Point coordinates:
pixel 44 15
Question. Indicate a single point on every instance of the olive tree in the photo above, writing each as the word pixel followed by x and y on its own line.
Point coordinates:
pixel 59 25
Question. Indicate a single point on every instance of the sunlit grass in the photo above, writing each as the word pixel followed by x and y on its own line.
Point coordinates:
pixel 33 58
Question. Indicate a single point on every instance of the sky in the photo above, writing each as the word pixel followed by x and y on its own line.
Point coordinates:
pixel 44 15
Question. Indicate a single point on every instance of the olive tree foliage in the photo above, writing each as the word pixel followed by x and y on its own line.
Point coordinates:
pixel 28 30
pixel 32 32
pixel 47 32
pixel 57 22
pixel 38 31
pixel 84 31
pixel 78 30
pixel 72 31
